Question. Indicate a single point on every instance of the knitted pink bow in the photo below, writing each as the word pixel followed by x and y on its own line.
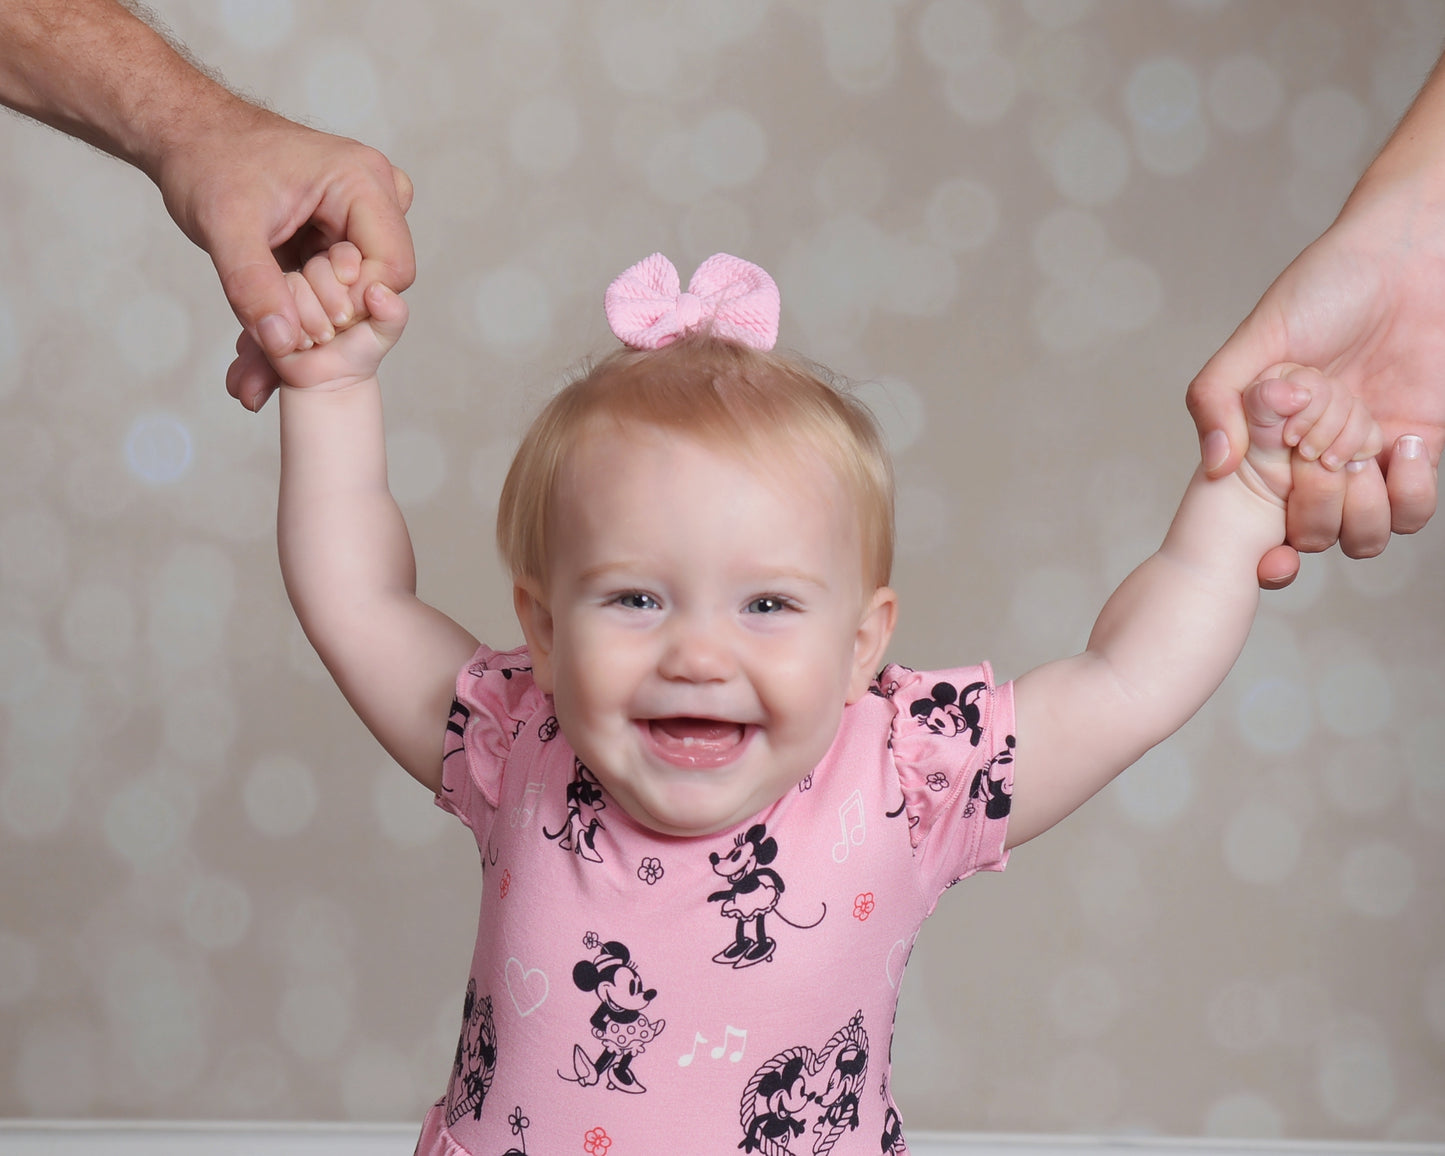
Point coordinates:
pixel 734 298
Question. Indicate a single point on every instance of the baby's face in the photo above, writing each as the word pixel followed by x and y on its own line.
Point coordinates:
pixel 705 623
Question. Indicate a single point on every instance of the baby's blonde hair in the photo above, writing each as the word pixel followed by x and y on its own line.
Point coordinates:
pixel 725 395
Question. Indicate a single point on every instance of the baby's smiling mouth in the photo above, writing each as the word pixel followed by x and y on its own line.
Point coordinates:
pixel 695 742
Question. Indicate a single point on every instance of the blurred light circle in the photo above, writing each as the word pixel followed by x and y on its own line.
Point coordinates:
pixel 158 449
pixel 1262 844
pixel 280 796
pixel 1089 160
pixel 962 214
pixel 983 91
pixel 955 33
pixel 1245 93
pixel 217 913
pixel 729 148
pixel 544 134
pixel 513 308
pixel 1377 880
pixel 1327 129
pixel 1275 715
pixel 1162 95
pixel 859 42
pixel 152 333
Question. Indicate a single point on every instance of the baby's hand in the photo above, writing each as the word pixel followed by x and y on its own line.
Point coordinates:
pixel 1299 420
pixel 339 348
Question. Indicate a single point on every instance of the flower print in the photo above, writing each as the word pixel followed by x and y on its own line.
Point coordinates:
pixel 596 1142
pixel 519 1122
pixel 863 906
pixel 937 781
pixel 590 941
pixel 548 730
pixel 650 870
pixel 506 883
pixel 806 782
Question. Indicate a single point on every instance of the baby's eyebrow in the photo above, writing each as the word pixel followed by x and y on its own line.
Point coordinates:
pixel 602 570
pixel 764 578
pixel 792 574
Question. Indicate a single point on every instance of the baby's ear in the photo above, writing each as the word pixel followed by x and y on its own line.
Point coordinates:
pixel 536 620
pixel 875 631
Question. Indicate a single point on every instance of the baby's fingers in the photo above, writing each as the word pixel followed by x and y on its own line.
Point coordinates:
pixel 315 327
pixel 1358 440
pixel 331 275
pixel 1313 429
pixel 1271 402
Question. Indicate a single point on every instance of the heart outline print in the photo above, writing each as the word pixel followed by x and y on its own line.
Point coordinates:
pixel 521 986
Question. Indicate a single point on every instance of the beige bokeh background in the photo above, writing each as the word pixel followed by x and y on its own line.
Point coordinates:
pixel 1022 227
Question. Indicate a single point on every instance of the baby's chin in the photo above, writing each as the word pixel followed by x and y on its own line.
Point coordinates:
pixel 687 818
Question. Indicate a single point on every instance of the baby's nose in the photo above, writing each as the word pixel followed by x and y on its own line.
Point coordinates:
pixel 697 652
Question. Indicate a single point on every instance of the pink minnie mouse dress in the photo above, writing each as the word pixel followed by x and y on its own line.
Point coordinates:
pixel 632 993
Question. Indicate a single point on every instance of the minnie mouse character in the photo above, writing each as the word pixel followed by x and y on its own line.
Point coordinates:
pixel 584 807
pixel 951 712
pixel 753 893
pixel 618 1021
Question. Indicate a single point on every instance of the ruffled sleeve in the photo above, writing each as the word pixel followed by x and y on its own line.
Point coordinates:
pixel 495 696
pixel 953 746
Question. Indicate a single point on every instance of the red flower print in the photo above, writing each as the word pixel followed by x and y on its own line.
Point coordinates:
pixel 863 906
pixel 506 883
pixel 596 1142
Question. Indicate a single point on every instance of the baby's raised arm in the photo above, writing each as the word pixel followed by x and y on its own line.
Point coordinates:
pixel 346 556
pixel 1169 634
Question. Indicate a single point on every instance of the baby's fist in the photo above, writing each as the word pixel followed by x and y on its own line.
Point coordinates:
pixel 339 348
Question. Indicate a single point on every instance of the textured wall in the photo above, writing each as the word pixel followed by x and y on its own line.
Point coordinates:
pixel 1024 225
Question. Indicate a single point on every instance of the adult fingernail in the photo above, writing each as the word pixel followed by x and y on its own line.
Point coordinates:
pixel 275 334
pixel 1410 447
pixel 1215 451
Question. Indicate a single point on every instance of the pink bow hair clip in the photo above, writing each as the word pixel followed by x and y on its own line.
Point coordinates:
pixel 735 298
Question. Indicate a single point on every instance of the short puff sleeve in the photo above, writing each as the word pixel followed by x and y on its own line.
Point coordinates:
pixel 953 747
pixel 495 696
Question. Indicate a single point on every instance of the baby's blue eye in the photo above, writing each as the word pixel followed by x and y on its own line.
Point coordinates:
pixel 768 604
pixel 636 600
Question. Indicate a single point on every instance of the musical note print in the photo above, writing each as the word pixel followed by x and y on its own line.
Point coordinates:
pixel 729 1033
pixel 852 836
pixel 686 1061
pixel 522 813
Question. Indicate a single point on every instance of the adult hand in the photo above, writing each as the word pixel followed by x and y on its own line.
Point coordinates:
pixel 1365 304
pixel 254 190
pixel 262 194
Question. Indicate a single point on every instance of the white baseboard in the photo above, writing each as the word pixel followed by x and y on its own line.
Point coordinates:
pixel 133 1138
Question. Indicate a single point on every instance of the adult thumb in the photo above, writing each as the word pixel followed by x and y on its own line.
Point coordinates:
pixel 258 293
pixel 1215 402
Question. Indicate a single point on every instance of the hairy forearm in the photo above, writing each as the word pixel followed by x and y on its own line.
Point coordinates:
pixel 96 71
